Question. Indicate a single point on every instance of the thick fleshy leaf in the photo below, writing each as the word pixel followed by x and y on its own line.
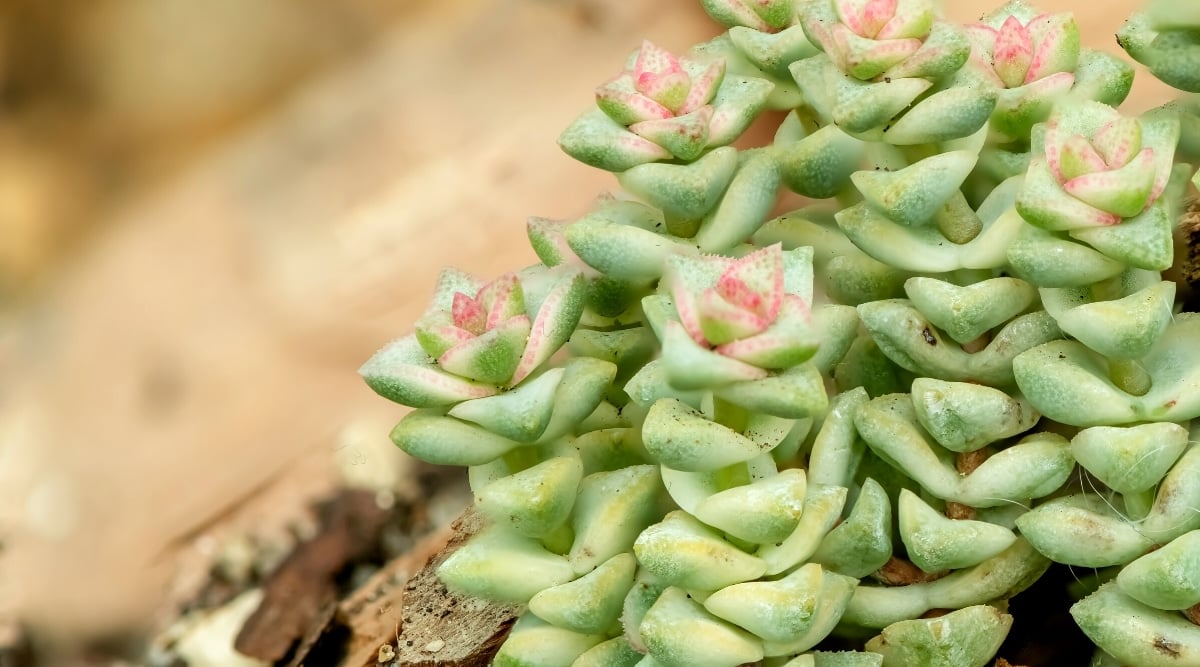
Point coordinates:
pixel 683 552
pixel 492 357
pixel 820 164
pixel 1034 467
pixel 1124 191
pixel 1012 53
pixel 1042 202
pixel 1124 328
pixel 755 282
pixel 1132 459
pixel 862 543
pixel 865 58
pixel 469 314
pixel 1048 260
pixel 790 341
pixel 935 543
pixel 965 313
pixel 967 637
pixel 912 195
pixel 722 322
pixel 502 298
pixel 534 501
pixel 704 87
pixel 736 104
pixel 404 373
pixel 1056 41
pixel 534 643
pixel 1078 157
pixel 613 507
pixel 501 565
pixel 1119 140
pixel 555 322
pixel 681 438
pixel 598 141
pixel 731 13
pixel 997 578
pixel 678 632
pixel 952 113
pixel 690 366
pixel 1082 530
pixel 964 417
pixel 796 393
pixel 786 610
pixel 592 603
pixel 865 17
pixel 1135 633
pixel 1143 241
pixel 521 414
pixel 684 191
pixel 822 509
pixel 745 206
pixel 434 438
pixel 912 18
pixel 760 512
pixel 1168 578
pixel 684 136
pixel 620 101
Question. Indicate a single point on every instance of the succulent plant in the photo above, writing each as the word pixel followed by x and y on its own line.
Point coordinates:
pixel 708 432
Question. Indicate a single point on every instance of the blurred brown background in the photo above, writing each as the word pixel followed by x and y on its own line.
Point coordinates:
pixel 212 212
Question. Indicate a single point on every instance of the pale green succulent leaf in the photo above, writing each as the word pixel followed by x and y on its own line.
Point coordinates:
pixel 912 195
pixel 796 393
pixel 964 417
pixel 404 373
pixel 681 551
pixel 967 312
pixel 746 203
pixel 862 543
pixel 820 164
pixel 521 414
pixel 536 500
pixel 500 565
pixel 772 52
pixel 598 141
pixel 615 652
pixel 534 643
pixel 1135 633
pixel 678 632
pixel 935 543
pixel 685 191
pixel 822 509
pixel 1124 328
pixel 682 438
pixel 1049 260
pixel 778 611
pixel 948 114
pixel 1143 241
pixel 610 511
pixel 836 449
pixel 760 512
pixel 1034 467
pixel 1130 459
pixel 432 437
pixel 1174 510
pixel 968 637
pixel 591 604
pixel 1082 530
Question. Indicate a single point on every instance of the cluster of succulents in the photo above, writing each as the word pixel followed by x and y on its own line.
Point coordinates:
pixel 705 433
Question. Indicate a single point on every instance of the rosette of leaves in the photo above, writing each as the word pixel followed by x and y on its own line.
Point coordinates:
pixel 476 368
pixel 1034 60
pixel 1165 37
pixel 1098 177
pixel 663 107
pixel 763 40
pixel 886 70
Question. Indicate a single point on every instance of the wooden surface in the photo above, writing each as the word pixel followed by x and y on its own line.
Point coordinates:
pixel 208 342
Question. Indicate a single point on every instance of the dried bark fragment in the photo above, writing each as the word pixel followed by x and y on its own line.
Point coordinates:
pixel 299 598
pixel 441 628
pixel 899 572
pixel 1186 271
pixel 372 614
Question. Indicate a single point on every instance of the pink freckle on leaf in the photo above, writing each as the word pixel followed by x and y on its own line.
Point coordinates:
pixel 468 314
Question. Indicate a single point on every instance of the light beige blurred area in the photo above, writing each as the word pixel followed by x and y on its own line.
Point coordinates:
pixel 213 212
